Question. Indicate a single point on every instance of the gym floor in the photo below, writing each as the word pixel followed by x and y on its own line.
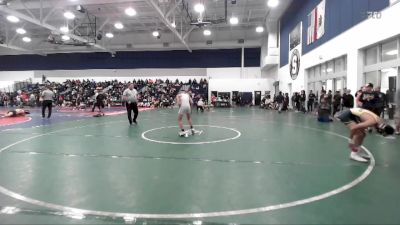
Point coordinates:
pixel 248 166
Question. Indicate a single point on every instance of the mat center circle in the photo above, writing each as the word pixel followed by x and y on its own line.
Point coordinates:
pixel 209 134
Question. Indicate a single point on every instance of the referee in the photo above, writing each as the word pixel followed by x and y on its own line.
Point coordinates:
pixel 130 97
pixel 47 97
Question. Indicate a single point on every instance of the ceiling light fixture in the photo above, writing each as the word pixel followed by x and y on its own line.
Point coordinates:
pixel 69 15
pixel 273 3
pixel 13 19
pixel 21 31
pixel 207 32
pixel 173 24
pixel 119 25
pixel 259 29
pixel 156 33
pixel 109 35
pixel 130 11
pixel 26 39
pixel 234 20
pixel 65 38
pixel 199 8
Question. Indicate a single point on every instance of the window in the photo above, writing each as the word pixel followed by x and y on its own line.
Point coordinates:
pixel 389 51
pixel 311 74
pixel 317 72
pixel 323 70
pixel 388 79
pixel 371 55
pixel 339 65
pixel 329 67
pixel 372 77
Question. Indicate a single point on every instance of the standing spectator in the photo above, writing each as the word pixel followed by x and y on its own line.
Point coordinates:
pixel 381 102
pixel 130 97
pixel 47 97
pixel 286 100
pixel 279 101
pixel 336 102
pixel 348 100
pixel 310 102
pixel 297 101
pixel 303 101
pixel 368 99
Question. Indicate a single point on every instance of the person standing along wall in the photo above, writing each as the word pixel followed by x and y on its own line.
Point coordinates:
pixel 310 102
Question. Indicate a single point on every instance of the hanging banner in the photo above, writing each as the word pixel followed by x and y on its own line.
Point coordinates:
pixel 295 51
pixel 316 23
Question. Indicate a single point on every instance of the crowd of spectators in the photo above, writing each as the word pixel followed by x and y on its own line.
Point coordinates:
pixel 81 93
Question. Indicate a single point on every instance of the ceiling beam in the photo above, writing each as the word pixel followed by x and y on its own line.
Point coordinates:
pixel 45 25
pixel 168 24
pixel 172 9
pixel 188 32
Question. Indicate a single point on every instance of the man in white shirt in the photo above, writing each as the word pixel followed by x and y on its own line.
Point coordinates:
pixel 130 98
pixel 184 102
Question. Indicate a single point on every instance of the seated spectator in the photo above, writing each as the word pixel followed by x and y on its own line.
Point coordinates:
pixel 200 105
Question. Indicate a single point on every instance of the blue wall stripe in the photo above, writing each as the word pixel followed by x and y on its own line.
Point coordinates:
pixel 132 60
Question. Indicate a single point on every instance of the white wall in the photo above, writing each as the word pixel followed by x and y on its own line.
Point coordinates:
pixel 234 73
pixel 15 75
pixel 7 78
pixel 348 43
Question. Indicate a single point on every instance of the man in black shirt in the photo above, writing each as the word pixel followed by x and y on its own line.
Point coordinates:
pixel 368 98
pixel 336 102
pixel 310 102
pixel 381 102
pixel 348 100
pixel 279 100
pixel 99 101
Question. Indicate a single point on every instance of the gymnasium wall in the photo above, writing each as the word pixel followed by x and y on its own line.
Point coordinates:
pixel 350 43
pixel 340 15
pixel 7 78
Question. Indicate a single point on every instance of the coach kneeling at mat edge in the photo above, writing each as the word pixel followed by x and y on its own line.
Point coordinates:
pixel 130 97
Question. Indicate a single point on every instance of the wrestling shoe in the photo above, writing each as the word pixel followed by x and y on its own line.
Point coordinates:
pixel 361 152
pixel 181 133
pixel 354 156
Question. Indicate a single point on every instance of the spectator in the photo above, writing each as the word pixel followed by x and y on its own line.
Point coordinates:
pixel 348 100
pixel 310 102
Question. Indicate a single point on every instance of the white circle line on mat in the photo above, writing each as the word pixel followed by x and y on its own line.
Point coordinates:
pixel 79 211
pixel 238 134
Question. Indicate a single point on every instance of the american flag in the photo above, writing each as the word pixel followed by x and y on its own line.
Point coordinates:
pixel 316 23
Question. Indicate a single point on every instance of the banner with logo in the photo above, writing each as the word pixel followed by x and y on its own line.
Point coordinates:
pixel 295 51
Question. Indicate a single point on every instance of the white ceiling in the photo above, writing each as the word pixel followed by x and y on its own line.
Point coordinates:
pixel 39 17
